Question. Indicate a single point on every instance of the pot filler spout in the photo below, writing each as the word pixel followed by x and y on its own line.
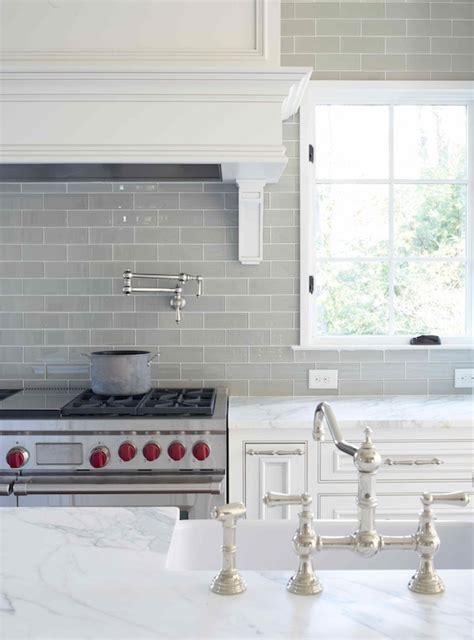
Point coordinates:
pixel 176 301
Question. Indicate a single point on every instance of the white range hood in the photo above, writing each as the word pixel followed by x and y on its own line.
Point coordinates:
pixel 66 105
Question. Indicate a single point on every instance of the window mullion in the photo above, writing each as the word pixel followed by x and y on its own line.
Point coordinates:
pixel 391 275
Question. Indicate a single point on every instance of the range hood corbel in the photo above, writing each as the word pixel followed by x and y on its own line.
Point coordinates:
pixel 225 118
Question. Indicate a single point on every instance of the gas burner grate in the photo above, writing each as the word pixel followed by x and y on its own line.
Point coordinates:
pixel 90 403
pixel 157 402
pixel 195 402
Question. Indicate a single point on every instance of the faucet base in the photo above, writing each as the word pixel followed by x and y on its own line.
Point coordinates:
pixel 228 583
pixel 304 585
pixel 426 580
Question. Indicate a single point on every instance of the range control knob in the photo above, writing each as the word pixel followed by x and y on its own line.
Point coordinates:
pixel 201 451
pixel 127 451
pixel 151 451
pixel 99 457
pixel 17 457
pixel 176 451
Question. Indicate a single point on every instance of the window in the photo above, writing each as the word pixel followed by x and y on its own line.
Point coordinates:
pixel 385 214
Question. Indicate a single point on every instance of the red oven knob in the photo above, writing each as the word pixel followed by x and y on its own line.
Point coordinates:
pixel 17 457
pixel 127 451
pixel 99 457
pixel 151 451
pixel 176 450
pixel 201 451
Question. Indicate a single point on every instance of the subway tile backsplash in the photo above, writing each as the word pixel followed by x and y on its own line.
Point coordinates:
pixel 64 248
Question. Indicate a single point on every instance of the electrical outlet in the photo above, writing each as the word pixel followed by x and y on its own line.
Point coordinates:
pixel 322 378
pixel 463 378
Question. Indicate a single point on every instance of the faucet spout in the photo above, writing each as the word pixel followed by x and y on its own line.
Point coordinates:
pixel 325 413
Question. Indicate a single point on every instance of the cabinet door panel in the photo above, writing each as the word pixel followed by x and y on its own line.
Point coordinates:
pixel 455 462
pixel 273 466
pixel 391 506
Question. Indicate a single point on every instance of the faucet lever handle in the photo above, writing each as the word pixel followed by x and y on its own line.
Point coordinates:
pixel 456 498
pixel 274 499
pixel 230 511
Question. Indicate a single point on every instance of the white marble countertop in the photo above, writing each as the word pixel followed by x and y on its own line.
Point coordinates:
pixel 353 412
pixel 91 573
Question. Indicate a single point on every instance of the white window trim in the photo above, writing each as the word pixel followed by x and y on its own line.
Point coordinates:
pixel 379 92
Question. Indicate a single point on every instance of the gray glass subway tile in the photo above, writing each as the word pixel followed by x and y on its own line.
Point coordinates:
pixel 113 337
pixel 156 201
pixel 67 337
pixel 203 371
pixel 23 270
pixel 111 201
pixel 361 388
pixel 405 387
pixel 111 235
pixel 204 337
pixel 44 218
pixel 376 371
pixel 247 337
pixel 441 387
pixel 226 320
pixel 89 218
pixel 189 320
pixel 59 235
pixel 11 354
pixel 18 235
pixel 271 354
pixel 90 320
pixel 202 201
pixel 157 235
pixel 11 320
pixel 46 320
pixel 21 303
pixel 225 354
pixel 46 354
pixel 10 252
pixel 89 187
pixel 270 387
pixel 45 286
pixel 44 252
pixel 20 201
pixel 135 218
pixel 66 303
pixel 182 354
pixel 66 201
pixel 248 371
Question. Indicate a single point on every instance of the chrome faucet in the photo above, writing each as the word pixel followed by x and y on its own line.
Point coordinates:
pixel 366 540
pixel 176 301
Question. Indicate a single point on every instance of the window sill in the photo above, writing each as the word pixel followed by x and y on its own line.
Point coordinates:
pixel 380 347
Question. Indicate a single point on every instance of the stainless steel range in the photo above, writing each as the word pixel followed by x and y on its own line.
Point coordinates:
pixel 167 447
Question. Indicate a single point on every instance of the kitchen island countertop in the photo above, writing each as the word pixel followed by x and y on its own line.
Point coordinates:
pixel 101 573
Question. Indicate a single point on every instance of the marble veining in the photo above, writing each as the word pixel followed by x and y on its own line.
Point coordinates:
pixel 377 412
pixel 91 573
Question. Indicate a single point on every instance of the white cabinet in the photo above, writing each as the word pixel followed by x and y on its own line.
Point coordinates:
pixel 273 466
pixel 290 461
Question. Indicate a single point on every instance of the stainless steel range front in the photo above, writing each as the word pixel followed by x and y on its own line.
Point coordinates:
pixel 165 448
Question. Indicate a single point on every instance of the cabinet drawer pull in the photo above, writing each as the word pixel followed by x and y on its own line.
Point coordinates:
pixel 275 452
pixel 391 462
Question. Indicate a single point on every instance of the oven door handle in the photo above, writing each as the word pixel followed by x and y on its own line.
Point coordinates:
pixel 6 485
pixel 57 485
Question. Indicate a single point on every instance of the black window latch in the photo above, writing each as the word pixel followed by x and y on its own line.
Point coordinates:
pixel 311 284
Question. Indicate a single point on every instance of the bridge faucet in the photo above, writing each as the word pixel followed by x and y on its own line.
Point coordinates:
pixel 365 540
